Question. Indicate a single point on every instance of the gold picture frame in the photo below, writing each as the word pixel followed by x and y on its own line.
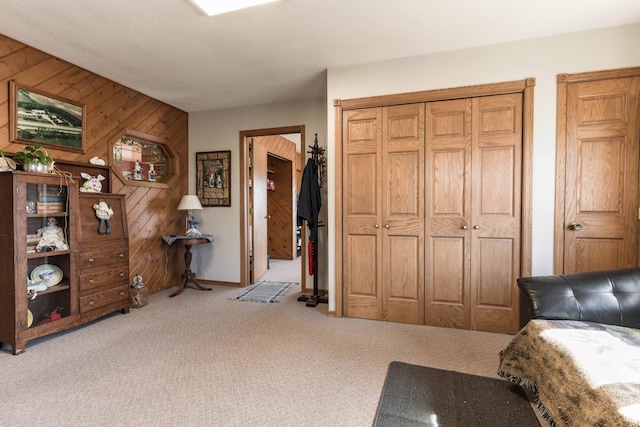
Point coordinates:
pixel 37 117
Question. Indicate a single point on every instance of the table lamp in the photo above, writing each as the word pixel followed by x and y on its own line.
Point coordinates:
pixel 190 202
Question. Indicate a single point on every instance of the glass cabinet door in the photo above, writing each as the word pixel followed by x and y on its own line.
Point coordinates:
pixel 49 264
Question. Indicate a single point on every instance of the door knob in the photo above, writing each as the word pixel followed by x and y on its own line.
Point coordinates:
pixel 377 225
pixel 464 227
pixel 574 226
pixel 476 227
pixel 386 226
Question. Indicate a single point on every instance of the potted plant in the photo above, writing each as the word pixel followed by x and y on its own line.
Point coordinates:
pixel 34 158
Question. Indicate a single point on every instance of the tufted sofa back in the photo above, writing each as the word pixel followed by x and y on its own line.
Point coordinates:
pixel 611 297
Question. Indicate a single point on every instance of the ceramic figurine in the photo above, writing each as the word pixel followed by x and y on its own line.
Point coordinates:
pixel 152 173
pixel 137 172
pixel 138 292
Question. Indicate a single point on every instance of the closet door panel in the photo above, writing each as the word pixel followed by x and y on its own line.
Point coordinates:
pixel 403 199
pixel 493 275
pixel 448 200
pixel 495 215
pixel 362 260
pixel 362 190
pixel 362 213
pixel 403 213
pixel 446 293
pixel 403 279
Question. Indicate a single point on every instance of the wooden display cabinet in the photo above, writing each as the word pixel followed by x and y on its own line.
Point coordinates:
pixel 89 270
pixel 29 202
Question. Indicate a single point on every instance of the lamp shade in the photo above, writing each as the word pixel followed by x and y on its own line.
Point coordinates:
pixel 189 202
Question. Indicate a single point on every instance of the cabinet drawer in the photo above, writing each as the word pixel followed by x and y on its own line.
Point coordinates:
pixel 106 297
pixel 99 255
pixel 116 274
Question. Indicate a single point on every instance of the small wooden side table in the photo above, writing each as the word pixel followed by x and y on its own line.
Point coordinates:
pixel 188 275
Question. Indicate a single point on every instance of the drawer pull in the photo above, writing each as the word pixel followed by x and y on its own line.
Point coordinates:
pixel 122 274
pixel 91 259
pixel 121 293
pixel 90 280
pixel 91 302
pixel 121 255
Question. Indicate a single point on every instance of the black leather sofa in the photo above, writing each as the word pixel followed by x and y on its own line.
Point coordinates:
pixel 579 347
pixel 609 296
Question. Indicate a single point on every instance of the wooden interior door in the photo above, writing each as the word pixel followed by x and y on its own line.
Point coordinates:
pixel 403 214
pixel 362 213
pixel 260 224
pixel 496 176
pixel 448 205
pixel 601 181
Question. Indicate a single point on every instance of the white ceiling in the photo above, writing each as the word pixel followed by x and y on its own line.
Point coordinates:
pixel 169 50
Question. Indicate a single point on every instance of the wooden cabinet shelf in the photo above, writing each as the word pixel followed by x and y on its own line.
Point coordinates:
pixel 34 255
pixel 57 288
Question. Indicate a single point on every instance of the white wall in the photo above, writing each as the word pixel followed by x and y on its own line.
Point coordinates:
pixel 543 59
pixel 220 130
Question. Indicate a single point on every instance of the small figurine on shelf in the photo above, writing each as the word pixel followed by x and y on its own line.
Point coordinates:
pixel 104 214
pixel 139 293
pixel 97 161
pixel 137 172
pixel 92 183
pixel 51 237
pixel 152 173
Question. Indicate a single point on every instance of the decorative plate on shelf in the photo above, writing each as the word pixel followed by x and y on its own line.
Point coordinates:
pixel 47 272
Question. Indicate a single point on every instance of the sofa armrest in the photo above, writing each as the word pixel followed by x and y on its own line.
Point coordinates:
pixel 611 297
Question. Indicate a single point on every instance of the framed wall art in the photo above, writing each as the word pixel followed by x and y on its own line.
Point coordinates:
pixel 41 118
pixel 213 178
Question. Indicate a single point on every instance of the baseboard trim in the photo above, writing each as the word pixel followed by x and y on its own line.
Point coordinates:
pixel 219 283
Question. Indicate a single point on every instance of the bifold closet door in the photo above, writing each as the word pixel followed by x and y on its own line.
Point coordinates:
pixel 383 213
pixel 362 212
pixel 403 213
pixel 448 196
pixel 473 193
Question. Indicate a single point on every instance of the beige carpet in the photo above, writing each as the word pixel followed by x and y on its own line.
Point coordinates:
pixel 202 359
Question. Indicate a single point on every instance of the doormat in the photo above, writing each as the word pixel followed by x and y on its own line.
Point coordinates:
pixel 418 396
pixel 265 291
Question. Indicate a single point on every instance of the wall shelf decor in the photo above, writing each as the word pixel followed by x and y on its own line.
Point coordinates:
pixel 143 160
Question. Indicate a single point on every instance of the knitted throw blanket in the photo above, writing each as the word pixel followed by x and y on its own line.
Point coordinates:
pixel 582 373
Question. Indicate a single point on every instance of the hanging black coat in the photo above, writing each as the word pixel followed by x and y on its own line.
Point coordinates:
pixel 309 200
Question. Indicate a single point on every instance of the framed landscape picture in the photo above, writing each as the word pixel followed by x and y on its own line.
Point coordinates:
pixel 41 118
pixel 213 178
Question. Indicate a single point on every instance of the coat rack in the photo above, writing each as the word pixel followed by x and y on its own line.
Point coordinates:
pixel 309 204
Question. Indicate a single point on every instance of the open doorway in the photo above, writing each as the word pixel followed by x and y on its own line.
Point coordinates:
pixel 265 162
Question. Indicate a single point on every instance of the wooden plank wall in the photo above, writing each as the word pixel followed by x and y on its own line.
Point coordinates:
pixel 111 108
pixel 281 229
